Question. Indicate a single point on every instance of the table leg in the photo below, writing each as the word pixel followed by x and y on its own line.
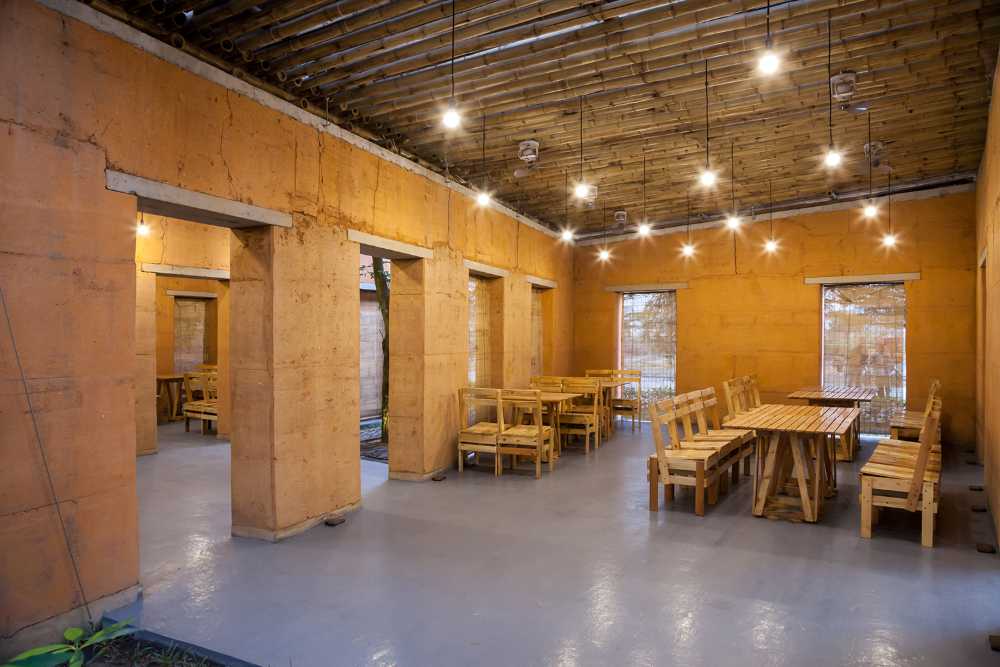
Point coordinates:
pixel 763 488
pixel 798 456
pixel 653 474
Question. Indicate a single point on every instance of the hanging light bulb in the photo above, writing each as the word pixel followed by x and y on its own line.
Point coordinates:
pixel 604 255
pixel 771 246
pixel 451 118
pixel 732 222
pixel 687 250
pixel 581 190
pixel 833 158
pixel 889 240
pixel 870 210
pixel 483 199
pixel 769 62
pixel 142 229
pixel 707 178
pixel 644 229
pixel 567 235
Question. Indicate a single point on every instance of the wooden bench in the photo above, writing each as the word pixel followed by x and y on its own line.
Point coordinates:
pixel 477 435
pixel 534 440
pixel 202 400
pixel 699 463
pixel 906 425
pixel 706 405
pixel 904 475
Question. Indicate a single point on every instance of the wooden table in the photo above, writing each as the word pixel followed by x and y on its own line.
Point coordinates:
pixel 608 386
pixel 171 383
pixel 787 484
pixel 555 400
pixel 840 397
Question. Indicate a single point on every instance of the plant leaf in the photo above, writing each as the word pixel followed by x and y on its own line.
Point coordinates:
pixel 39 650
pixel 41 660
pixel 72 634
pixel 119 629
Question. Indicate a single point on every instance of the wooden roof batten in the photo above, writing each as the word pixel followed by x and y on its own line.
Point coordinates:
pixel 381 68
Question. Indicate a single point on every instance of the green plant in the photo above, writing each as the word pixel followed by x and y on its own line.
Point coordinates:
pixel 74 651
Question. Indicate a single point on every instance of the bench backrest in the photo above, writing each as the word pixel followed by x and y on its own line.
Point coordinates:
pixel 928 433
pixel 931 395
pixel 475 401
pixel 742 394
pixel 666 414
pixel 708 412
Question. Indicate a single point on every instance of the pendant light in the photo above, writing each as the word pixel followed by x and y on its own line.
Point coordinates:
pixel 644 225
pixel 567 233
pixel 889 240
pixel 451 118
pixel 687 250
pixel 142 229
pixel 771 245
pixel 733 219
pixel 707 177
pixel 870 210
pixel 581 190
pixel 483 198
pixel 604 254
pixel 833 158
pixel 768 63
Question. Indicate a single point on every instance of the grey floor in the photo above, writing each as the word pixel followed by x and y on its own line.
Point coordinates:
pixel 569 570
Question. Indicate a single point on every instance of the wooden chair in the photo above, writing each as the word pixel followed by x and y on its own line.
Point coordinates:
pixel 906 425
pixel 742 394
pixel 629 407
pixel 202 400
pixel 480 436
pixel 533 440
pixel 583 416
pixel 695 463
pixel 603 374
pixel 705 404
pixel 904 475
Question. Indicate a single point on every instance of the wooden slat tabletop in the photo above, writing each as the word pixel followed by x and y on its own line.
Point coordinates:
pixel 796 419
pixel 557 396
pixel 835 393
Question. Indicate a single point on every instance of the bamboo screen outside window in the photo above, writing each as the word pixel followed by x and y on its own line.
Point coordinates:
pixel 649 343
pixel 480 350
pixel 537 331
pixel 864 344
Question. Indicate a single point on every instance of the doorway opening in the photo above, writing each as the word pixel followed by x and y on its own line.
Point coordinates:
pixel 864 344
pixel 375 278
pixel 648 343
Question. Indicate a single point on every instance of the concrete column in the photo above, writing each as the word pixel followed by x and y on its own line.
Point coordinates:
pixel 294 373
pixel 145 362
pixel 428 362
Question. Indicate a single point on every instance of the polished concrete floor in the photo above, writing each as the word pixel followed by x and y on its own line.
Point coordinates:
pixel 569 570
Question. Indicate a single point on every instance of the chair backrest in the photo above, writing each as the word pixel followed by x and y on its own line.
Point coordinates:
pixel 471 398
pixel 606 373
pixel 211 386
pixel 705 405
pixel 666 414
pixel 547 383
pixel 928 433
pixel 196 386
pixel 931 395
pixel 742 394
pixel 590 390
pixel 529 401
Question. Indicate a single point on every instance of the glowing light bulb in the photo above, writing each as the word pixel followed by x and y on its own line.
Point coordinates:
pixel 870 210
pixel 604 255
pixel 771 245
pixel 707 178
pixel 644 229
pixel 687 250
pixel 581 190
pixel 832 158
pixel 142 229
pixel 732 222
pixel 768 63
pixel 889 240
pixel 451 118
pixel 483 199
pixel 567 235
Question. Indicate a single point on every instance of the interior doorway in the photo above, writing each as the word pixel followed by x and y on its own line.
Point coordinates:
pixel 864 344
pixel 375 279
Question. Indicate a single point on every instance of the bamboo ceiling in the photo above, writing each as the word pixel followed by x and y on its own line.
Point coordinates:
pixel 383 69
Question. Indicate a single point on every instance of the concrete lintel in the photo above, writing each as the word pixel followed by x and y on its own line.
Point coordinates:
pixel 192 295
pixel 379 246
pixel 164 199
pixel 291 531
pixel 186 271
pixel 850 280
pixel 544 283
pixel 649 287
pixel 480 269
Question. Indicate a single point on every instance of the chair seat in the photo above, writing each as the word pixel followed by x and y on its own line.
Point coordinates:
pixel 906 445
pixel 525 431
pixel 202 407
pixel 741 435
pixel 481 428
pixel 707 455
pixel 900 471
